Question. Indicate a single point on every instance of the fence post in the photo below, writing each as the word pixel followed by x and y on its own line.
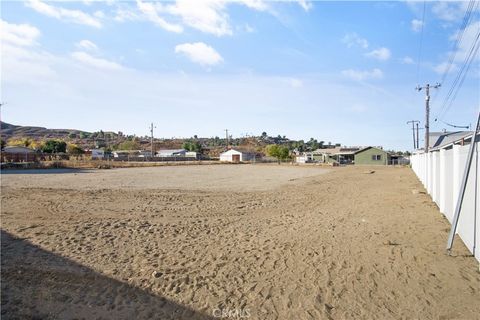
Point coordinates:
pixel 442 181
pixel 456 169
pixel 434 177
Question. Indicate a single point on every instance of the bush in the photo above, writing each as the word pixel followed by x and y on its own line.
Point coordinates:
pixel 54 146
pixel 74 149
pixel 277 151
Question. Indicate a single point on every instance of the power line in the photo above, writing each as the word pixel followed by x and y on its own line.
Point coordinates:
pixel 455 126
pixel 458 82
pixel 419 59
pixel 458 40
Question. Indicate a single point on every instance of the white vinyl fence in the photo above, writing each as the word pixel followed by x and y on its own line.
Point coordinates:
pixel 441 173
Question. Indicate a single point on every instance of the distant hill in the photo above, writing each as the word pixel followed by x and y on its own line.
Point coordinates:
pixel 9 131
pixel 111 140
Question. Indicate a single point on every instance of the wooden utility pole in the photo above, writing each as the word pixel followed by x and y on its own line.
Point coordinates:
pixel 151 139
pixel 1 104
pixel 415 146
pixel 418 146
pixel 226 136
pixel 427 111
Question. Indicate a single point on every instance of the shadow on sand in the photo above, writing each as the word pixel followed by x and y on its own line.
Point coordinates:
pixel 37 284
pixel 44 171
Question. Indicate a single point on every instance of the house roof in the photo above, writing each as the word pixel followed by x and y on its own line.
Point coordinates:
pixel 440 139
pixel 171 150
pixel 452 139
pixel 15 149
pixel 366 148
pixel 239 150
pixel 243 149
pixel 337 150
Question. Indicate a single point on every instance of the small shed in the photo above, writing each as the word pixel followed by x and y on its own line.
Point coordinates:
pixel 18 154
pixel 371 156
pixel 233 155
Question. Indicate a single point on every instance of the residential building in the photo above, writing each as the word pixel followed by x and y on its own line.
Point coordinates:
pixel 371 156
pixel 233 155
pixel 171 153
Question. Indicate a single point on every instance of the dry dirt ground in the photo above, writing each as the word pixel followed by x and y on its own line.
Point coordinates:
pixel 233 241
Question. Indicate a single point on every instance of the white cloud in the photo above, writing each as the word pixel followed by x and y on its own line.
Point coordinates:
pixel 295 83
pixel 18 34
pixel 353 39
pixel 358 108
pixel 75 16
pixel 468 38
pixel 258 5
pixel 442 67
pixel 199 53
pixel 92 61
pixel 416 25
pixel 207 16
pixel 151 13
pixel 407 60
pixel 449 11
pixel 249 28
pixel 360 75
pixel 382 54
pixel 99 14
pixel 123 14
pixel 87 45
pixel 306 5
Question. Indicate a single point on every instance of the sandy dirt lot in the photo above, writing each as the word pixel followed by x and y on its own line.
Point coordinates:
pixel 231 242
pixel 204 177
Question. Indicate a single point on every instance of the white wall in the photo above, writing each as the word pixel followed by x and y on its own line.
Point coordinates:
pixel 227 155
pixel 441 173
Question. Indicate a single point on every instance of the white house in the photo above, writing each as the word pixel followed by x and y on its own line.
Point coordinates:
pixel 191 154
pixel 236 156
pixel 171 153
pixel 301 159
pixel 98 154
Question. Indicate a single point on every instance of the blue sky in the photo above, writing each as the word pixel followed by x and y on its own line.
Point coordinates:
pixel 336 71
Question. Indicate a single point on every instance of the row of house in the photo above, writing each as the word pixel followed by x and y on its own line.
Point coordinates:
pixel 164 153
pixel 25 154
pixel 340 155
pixel 351 155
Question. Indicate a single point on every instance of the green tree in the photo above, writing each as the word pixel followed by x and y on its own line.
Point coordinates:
pixel 54 146
pixel 192 146
pixel 312 144
pixel 128 145
pixel 277 151
pixel 74 149
pixel 84 135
